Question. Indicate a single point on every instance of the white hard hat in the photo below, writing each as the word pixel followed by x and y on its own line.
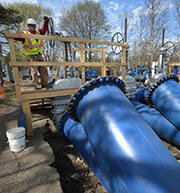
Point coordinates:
pixel 31 21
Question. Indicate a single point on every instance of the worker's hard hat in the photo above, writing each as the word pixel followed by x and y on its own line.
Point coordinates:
pixel 31 21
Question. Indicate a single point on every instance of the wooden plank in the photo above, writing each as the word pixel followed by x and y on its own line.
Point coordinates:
pixel 57 72
pixel 174 64
pixel 63 39
pixel 103 60
pixel 77 64
pixel 27 111
pixel 123 61
pixel 169 69
pixel 89 49
pixel 15 69
pixel 17 82
pixel 38 94
pixel 103 71
pixel 82 60
pixel 83 76
pixel 114 64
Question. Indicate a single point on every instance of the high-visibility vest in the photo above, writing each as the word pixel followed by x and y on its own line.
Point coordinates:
pixel 32 46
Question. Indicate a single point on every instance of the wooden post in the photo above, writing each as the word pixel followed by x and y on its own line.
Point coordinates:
pixel 82 60
pixel 169 69
pixel 15 69
pixel 103 60
pixel 123 61
pixel 57 72
pixel 83 75
pixel 27 110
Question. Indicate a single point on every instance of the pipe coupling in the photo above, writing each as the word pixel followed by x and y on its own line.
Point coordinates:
pixel 107 80
pixel 157 84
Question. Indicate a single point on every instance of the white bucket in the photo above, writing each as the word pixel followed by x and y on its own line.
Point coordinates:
pixel 16 139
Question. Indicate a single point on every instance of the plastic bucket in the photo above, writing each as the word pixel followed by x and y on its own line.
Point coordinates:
pixel 16 139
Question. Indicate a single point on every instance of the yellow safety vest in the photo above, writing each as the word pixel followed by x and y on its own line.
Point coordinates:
pixel 32 46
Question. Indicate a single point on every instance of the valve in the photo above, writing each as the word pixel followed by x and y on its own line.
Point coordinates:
pixel 118 38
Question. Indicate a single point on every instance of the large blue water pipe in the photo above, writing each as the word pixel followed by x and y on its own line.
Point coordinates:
pixel 75 133
pixel 131 155
pixel 165 129
pixel 141 95
pixel 175 70
pixel 165 96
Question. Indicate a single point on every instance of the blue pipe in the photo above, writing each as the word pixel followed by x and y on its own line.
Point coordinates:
pixel 141 95
pixel 165 96
pixel 158 123
pixel 74 132
pixel 175 70
pixel 131 155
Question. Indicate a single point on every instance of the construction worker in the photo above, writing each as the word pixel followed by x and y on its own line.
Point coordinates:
pixel 33 49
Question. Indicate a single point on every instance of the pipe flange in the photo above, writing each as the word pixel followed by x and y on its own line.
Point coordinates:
pixel 157 84
pixel 90 86
pixel 62 121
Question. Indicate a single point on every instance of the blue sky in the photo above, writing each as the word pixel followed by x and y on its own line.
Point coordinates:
pixel 112 8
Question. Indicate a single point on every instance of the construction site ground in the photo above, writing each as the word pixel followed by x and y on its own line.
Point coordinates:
pixel 49 163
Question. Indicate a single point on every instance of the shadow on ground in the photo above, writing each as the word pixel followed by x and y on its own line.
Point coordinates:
pixel 75 176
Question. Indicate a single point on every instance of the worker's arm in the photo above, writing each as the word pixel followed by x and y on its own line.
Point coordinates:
pixel 20 39
pixel 44 29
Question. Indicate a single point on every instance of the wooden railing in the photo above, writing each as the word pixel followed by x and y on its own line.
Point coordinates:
pixel 25 96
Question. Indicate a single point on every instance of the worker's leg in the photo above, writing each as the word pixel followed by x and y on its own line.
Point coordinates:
pixel 44 75
pixel 34 74
pixel 34 69
pixel 43 72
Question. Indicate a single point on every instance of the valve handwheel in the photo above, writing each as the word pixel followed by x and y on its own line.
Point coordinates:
pixel 170 48
pixel 118 38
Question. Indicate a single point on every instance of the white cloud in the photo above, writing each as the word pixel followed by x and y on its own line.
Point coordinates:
pixel 116 6
pixel 111 3
pixel 136 12
pixel 18 1
pixel 122 6
pixel 171 5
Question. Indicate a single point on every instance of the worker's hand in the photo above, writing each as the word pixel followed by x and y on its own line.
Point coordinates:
pixel 46 18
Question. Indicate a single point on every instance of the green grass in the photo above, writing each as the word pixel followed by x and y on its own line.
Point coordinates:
pixel 10 95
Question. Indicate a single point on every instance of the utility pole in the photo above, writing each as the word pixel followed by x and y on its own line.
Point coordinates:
pixel 162 52
pixel 125 37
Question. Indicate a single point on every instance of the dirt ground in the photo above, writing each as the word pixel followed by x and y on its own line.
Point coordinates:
pixel 49 163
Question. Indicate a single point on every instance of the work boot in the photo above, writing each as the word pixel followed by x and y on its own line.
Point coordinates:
pixel 37 86
pixel 49 85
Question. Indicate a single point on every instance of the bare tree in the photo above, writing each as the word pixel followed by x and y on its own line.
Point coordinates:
pixel 30 11
pixel 131 31
pixel 85 20
pixel 9 18
pixel 176 12
pixel 136 37
pixel 157 18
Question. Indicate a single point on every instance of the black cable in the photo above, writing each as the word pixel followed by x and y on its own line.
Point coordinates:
pixel 50 31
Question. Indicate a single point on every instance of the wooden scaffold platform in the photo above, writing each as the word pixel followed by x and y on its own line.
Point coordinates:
pixel 26 95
